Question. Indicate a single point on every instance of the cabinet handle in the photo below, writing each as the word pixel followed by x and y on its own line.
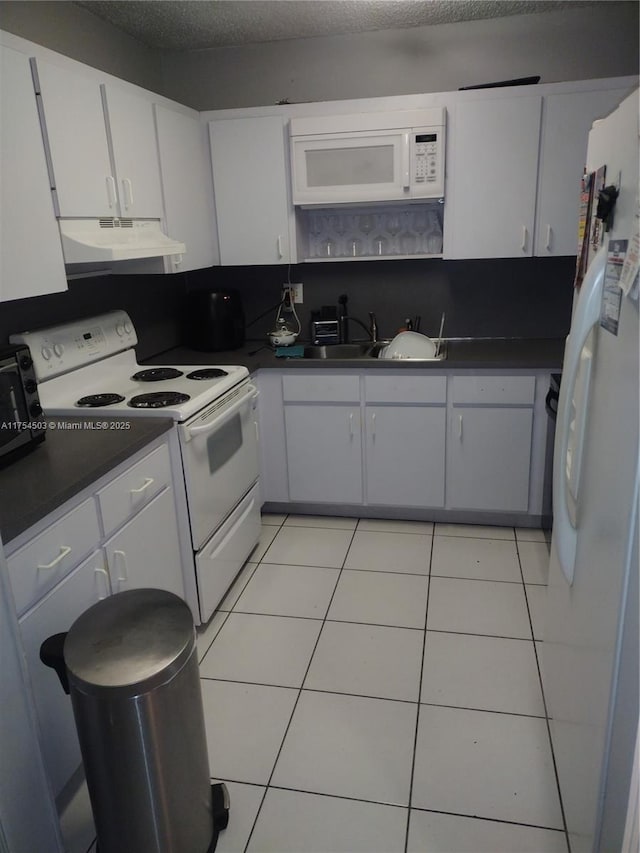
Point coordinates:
pixel 255 423
pixel 64 550
pixel 350 424
pixel 279 245
pixel 547 244
pixel 373 426
pixel 460 427
pixel 127 190
pixel 111 190
pixel 523 244
pixel 121 577
pixel 143 487
pixel 100 571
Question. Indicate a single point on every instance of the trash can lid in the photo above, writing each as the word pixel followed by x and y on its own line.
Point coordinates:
pixel 132 641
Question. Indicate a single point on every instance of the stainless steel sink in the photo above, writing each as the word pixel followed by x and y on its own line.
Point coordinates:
pixel 365 350
pixel 343 351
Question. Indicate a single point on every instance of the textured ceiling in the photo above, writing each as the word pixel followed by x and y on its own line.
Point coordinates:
pixel 198 24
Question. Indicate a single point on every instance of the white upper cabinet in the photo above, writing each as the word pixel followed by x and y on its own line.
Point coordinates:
pixel 87 182
pixel 514 172
pixel 31 261
pixel 493 168
pixel 251 190
pixel 77 139
pixel 187 187
pixel 133 137
pixel 566 121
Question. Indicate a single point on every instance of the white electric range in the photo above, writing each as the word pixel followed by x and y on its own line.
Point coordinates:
pixel 89 367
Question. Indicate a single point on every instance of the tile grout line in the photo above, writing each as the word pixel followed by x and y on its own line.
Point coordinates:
pixel 544 703
pixel 228 613
pixel 415 735
pixel 293 710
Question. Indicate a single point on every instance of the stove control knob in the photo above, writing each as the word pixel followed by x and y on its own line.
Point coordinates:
pixel 127 328
pixel 58 349
pixel 120 329
pixel 35 409
pixel 46 353
pixel 26 362
pixel 30 386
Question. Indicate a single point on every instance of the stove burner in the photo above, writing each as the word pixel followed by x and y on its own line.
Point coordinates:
pixel 156 374
pixel 94 400
pixel 158 400
pixel 207 373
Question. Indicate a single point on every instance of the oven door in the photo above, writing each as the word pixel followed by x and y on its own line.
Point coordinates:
pixel 220 459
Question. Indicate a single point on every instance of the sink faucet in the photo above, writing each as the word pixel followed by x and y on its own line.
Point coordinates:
pixel 344 319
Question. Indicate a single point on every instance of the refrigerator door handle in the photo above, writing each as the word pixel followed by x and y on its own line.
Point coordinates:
pixel 585 318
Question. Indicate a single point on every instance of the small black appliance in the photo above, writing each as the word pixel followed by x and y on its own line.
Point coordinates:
pixel 215 320
pixel 21 422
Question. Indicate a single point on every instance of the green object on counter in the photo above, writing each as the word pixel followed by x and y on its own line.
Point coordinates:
pixel 294 351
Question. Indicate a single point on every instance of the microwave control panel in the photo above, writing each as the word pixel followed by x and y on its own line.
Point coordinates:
pixel 427 172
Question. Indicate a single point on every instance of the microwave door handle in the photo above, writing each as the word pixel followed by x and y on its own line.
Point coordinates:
pixel 192 431
pixel 406 158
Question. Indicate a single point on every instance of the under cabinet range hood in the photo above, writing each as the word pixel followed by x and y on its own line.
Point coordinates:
pixel 86 241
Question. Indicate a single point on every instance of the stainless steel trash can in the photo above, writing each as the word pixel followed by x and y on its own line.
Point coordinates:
pixel 132 669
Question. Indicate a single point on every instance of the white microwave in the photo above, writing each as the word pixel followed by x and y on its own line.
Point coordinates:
pixel 368 157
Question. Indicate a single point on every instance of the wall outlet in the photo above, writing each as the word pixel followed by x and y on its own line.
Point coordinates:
pixel 296 293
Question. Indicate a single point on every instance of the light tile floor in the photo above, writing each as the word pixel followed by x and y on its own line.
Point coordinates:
pixel 374 686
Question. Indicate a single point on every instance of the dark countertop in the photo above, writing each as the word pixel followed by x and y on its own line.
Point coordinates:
pixel 462 353
pixel 66 462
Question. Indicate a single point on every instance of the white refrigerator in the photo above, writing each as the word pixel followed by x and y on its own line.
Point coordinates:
pixel 590 647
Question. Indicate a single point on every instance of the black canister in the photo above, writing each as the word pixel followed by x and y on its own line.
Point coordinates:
pixel 215 320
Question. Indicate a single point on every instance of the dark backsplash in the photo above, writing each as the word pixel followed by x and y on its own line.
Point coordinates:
pixel 529 297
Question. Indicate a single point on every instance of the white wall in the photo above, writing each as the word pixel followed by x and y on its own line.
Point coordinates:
pixel 75 32
pixel 600 40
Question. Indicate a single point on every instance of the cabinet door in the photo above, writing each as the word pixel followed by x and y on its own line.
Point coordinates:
pixel 31 262
pixel 494 167
pixel 489 459
pixel 77 140
pixel 145 552
pixel 405 455
pixel 53 614
pixel 567 119
pixel 324 453
pixel 135 153
pixel 250 188
pixel 187 187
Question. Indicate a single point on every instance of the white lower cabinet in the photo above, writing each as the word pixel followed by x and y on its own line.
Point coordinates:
pixel 54 581
pixel 145 552
pixel 467 443
pixel 490 440
pixel 324 452
pixel 405 453
pixel 489 459
pixel 405 433
pixel 54 614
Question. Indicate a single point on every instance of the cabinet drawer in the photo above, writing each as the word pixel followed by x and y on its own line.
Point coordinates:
pixel 508 390
pixel 405 389
pixel 38 566
pixel 225 553
pixel 132 490
pixel 324 388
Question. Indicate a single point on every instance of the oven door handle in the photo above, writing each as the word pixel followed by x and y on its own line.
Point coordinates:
pixel 250 397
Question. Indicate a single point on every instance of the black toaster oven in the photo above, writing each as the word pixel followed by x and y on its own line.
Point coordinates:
pixel 21 423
